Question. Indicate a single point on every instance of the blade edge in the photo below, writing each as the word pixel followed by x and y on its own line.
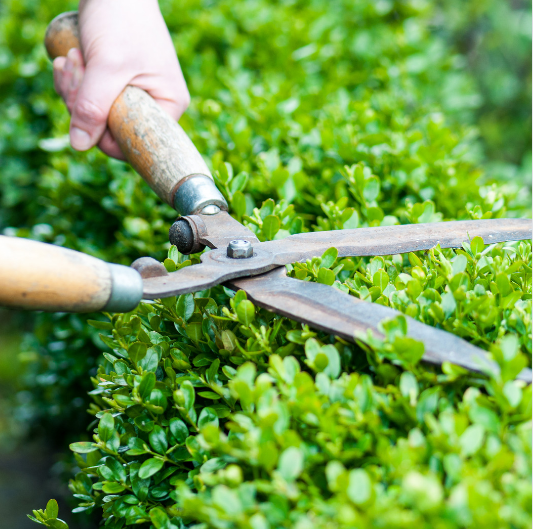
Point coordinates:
pixel 330 310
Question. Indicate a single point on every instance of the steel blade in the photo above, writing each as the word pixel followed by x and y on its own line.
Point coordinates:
pixel 335 312
pixel 212 271
pixel 216 267
pixel 390 240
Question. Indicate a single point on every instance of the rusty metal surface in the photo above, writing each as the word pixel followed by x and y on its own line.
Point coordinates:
pixel 389 240
pixel 335 312
pixel 217 230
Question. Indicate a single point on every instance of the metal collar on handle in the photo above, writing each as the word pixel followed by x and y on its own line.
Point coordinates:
pixel 198 194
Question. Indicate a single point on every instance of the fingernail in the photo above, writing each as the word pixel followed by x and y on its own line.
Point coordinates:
pixel 79 139
pixel 72 56
pixel 68 66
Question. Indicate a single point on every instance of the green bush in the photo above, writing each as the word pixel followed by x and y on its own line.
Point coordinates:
pixel 287 93
pixel 210 411
pixel 339 112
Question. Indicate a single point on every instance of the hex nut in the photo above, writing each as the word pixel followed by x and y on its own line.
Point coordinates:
pixel 239 249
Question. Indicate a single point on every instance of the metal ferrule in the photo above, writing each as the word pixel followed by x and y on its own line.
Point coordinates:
pixel 126 289
pixel 197 192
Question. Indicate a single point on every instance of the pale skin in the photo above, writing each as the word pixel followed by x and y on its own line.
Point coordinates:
pixel 124 42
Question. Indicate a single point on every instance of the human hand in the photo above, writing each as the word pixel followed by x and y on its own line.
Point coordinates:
pixel 124 42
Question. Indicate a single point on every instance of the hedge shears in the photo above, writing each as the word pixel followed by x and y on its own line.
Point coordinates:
pixel 47 277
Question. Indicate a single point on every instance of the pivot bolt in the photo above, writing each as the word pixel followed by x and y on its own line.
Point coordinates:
pixel 239 249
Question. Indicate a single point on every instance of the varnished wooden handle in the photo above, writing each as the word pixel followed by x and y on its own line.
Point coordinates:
pixel 152 142
pixel 39 276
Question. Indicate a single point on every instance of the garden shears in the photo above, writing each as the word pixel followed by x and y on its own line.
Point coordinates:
pixel 161 152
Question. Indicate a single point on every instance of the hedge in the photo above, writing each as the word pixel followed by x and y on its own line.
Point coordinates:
pixel 314 115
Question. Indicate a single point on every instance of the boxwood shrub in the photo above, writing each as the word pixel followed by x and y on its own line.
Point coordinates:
pixel 209 412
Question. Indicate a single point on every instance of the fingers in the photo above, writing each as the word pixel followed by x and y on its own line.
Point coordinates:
pixel 68 77
pixel 110 147
pixel 89 93
pixel 59 64
pixel 94 98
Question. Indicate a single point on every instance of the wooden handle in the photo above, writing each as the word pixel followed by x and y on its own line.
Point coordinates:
pixel 39 276
pixel 152 142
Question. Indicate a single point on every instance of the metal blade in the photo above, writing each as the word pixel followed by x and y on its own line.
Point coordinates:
pixel 212 271
pixel 216 267
pixel 335 312
pixel 390 240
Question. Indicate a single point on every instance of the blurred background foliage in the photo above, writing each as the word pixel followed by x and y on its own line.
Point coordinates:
pixel 269 82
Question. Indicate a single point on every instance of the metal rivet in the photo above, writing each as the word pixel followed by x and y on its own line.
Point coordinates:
pixel 239 249
pixel 211 209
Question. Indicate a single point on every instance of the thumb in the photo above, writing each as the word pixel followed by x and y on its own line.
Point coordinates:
pixel 99 89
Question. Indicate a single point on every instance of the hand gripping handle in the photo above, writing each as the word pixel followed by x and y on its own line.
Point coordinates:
pixel 39 276
pixel 154 144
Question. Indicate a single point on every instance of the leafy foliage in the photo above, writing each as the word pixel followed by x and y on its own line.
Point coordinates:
pixel 236 417
pixel 313 116
pixel 287 93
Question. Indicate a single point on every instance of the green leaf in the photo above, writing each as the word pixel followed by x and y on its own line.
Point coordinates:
pixel 359 486
pixel 271 225
pixel 157 398
pixel 158 439
pixel 326 276
pixel 371 190
pixel 174 254
pixel 136 446
pixel 291 463
pixel 239 182
pixel 225 172
pixel 188 394
pixel 83 447
pixel 106 427
pixel 328 258
pixel 103 325
pixel 185 306
pixel 472 439
pixel 112 488
pixel 459 264
pixel 477 245
pixel 408 385
pixel 52 509
pixel 150 467
pixel 352 222
pixel 380 279
pixel 267 208
pixel 137 351
pixel 227 500
pixel 246 312
pixel 212 371
pixel 151 360
pixel 448 304
pixel 159 518
pixel 504 285
pixel 238 203
pixel 179 430
pixel 147 385
pixel 194 331
pixel 57 524
pixel 207 416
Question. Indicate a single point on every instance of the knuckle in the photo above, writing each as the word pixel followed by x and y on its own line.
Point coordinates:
pixel 89 112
